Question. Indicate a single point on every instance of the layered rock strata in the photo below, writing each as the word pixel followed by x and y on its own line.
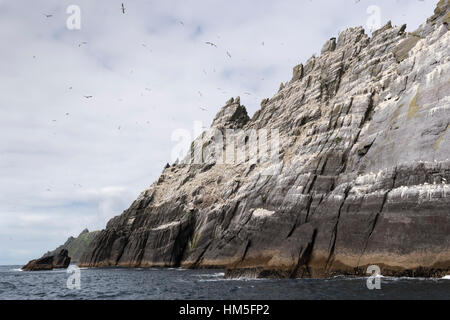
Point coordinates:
pixel 359 176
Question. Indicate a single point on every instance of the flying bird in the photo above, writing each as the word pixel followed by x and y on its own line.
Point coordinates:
pixel 123 9
pixel 211 44
pixel 48 15
pixel 84 42
pixel 203 109
pixel 228 54
pixel 88 97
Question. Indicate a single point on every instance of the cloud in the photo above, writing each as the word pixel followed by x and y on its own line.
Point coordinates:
pixel 68 162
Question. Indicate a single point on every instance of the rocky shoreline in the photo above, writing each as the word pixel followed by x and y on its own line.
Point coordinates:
pixel 62 256
pixel 61 260
pixel 359 175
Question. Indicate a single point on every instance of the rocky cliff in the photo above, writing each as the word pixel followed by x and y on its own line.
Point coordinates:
pixel 75 246
pixel 359 174
pixel 70 251
pixel 60 260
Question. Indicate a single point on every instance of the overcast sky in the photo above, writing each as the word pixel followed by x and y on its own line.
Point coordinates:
pixel 68 162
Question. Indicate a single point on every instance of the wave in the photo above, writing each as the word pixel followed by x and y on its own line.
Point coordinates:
pixel 222 278
pixel 7 285
pixel 213 275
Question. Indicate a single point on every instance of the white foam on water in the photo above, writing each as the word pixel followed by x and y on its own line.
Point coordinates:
pixel 219 274
pixel 213 275
pixel 249 279
pixel 446 277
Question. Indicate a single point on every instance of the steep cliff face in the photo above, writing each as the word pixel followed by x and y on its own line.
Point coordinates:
pixel 360 176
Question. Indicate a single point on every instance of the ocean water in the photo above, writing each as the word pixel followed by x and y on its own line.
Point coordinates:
pixel 120 283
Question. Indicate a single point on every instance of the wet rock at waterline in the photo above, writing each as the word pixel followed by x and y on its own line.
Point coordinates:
pixel 58 261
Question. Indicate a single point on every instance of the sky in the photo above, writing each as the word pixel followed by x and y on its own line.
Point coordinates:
pixel 87 115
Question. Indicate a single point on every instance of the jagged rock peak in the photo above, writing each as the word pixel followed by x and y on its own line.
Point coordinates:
pixel 442 10
pixel 297 72
pixel 84 232
pixel 330 45
pixel 232 116
pixel 351 36
pixel 387 26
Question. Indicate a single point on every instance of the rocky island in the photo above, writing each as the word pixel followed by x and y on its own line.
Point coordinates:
pixel 61 260
pixel 360 174
pixel 62 256
pixel 75 246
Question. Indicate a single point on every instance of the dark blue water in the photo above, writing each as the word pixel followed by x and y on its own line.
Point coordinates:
pixel 115 283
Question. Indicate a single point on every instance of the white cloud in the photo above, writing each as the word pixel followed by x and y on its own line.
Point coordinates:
pixel 68 162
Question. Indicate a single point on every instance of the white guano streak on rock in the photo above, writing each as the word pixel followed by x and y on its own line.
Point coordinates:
pixel 166 225
pixel 262 213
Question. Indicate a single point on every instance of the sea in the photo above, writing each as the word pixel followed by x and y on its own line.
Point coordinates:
pixel 181 284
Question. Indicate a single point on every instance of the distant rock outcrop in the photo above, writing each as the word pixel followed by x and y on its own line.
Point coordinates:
pixel 362 176
pixel 75 246
pixel 59 261
pixel 61 257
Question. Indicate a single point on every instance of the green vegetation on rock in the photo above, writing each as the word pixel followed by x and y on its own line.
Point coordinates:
pixel 76 246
